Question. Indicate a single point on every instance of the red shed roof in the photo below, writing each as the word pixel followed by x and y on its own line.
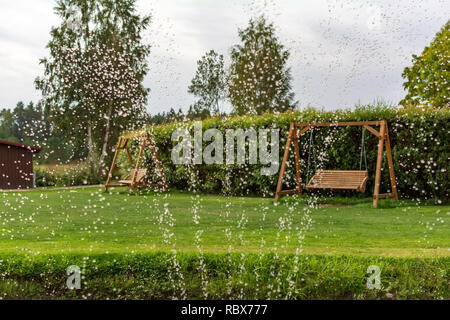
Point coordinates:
pixel 21 145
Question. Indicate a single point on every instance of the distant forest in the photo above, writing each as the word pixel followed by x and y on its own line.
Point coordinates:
pixel 31 124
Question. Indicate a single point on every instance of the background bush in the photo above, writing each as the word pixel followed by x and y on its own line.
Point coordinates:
pixel 75 176
pixel 419 141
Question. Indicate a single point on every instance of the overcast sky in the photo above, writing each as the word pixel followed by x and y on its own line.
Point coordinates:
pixel 342 52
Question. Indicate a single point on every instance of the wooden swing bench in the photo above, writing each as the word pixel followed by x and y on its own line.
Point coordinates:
pixel 339 180
pixel 138 177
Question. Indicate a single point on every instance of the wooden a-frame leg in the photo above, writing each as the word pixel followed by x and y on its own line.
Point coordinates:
pixel 297 162
pixel 113 164
pixel 391 165
pixel 376 191
pixel 138 163
pixel 283 163
pixel 158 163
pixel 130 159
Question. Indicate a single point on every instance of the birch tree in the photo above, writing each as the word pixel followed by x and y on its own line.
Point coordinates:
pixel 93 75
pixel 209 82
pixel 259 79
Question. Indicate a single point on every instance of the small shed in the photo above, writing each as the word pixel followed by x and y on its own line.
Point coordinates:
pixel 16 165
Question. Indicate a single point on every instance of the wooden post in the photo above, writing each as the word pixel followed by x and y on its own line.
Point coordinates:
pixel 303 131
pixel 158 163
pixel 283 163
pixel 130 160
pixel 116 153
pixel 297 161
pixel 391 164
pixel 138 163
pixel 376 191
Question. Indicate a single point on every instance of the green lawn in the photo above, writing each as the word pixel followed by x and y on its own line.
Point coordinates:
pixel 90 221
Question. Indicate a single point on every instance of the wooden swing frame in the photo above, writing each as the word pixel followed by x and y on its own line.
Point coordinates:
pixel 383 141
pixel 146 139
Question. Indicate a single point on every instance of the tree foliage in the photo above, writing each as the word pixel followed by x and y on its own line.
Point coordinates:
pixel 427 79
pixel 209 82
pixel 31 125
pixel 165 117
pixel 14 123
pixel 259 79
pixel 198 111
pixel 93 77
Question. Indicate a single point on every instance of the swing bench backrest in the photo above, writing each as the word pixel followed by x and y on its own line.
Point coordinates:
pixel 339 180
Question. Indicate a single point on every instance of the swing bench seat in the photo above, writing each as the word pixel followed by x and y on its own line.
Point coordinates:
pixel 140 181
pixel 339 180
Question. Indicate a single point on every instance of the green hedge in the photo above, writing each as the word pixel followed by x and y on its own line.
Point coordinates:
pixel 419 139
pixel 75 176
pixel 225 276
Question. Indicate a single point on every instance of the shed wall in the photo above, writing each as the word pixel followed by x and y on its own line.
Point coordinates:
pixel 16 167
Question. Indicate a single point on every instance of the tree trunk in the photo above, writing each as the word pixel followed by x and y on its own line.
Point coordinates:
pixel 91 149
pixel 105 140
